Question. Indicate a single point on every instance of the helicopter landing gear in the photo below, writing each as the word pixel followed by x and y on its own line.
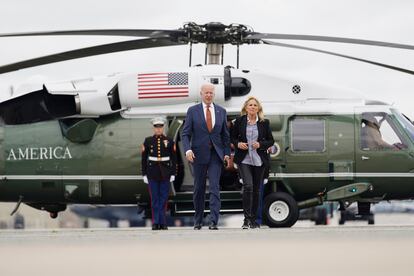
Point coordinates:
pixel 53 215
pixel 364 214
pixel 280 210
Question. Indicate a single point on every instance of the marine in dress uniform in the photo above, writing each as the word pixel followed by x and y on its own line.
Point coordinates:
pixel 158 168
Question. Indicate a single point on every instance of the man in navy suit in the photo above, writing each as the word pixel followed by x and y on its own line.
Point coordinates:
pixel 206 142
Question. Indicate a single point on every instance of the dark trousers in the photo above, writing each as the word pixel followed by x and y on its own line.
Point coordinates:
pixel 252 177
pixel 213 170
pixel 159 195
pixel 259 214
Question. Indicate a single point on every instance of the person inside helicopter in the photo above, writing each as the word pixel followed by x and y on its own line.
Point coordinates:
pixel 372 136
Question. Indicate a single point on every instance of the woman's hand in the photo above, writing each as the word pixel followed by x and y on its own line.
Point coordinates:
pixel 243 146
pixel 256 145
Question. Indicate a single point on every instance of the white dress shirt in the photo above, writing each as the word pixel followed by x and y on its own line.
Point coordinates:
pixel 212 111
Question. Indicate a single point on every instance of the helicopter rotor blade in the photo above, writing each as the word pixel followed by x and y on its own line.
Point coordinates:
pixel 91 51
pixel 338 55
pixel 328 39
pixel 104 32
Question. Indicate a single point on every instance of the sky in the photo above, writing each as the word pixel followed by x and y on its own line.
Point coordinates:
pixel 382 20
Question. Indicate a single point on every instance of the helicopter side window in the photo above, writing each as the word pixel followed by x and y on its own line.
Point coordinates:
pixel 308 135
pixel 378 132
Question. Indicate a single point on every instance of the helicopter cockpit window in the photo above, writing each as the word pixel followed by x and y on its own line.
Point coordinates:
pixel 378 132
pixel 405 122
pixel 308 135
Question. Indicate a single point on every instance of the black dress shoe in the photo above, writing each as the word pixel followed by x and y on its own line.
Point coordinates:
pixel 213 226
pixel 197 227
pixel 163 227
pixel 156 227
pixel 245 224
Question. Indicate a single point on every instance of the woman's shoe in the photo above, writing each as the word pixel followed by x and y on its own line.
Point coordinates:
pixel 245 224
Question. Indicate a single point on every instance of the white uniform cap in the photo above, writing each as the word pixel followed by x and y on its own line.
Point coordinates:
pixel 157 121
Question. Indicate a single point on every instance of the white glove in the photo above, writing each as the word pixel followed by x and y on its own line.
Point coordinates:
pixel 240 181
pixel 145 179
pixel 265 181
pixel 172 178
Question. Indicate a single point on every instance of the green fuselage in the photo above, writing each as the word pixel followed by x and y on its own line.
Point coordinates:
pixel 41 165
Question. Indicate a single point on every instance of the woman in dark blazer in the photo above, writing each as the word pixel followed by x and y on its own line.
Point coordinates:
pixel 251 136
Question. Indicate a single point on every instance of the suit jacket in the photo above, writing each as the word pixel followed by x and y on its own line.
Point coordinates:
pixel 238 134
pixel 195 135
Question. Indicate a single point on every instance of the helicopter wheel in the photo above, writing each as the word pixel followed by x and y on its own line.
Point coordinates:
pixel 342 218
pixel 280 210
pixel 371 220
pixel 53 215
pixel 321 217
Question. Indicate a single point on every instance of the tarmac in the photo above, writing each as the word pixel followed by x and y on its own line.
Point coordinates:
pixel 301 250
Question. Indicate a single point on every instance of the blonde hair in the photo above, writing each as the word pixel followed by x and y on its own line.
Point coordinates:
pixel 259 105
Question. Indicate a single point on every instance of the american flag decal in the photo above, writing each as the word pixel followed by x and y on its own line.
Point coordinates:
pixel 162 85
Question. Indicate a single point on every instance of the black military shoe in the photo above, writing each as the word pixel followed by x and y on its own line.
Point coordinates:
pixel 213 226
pixel 156 227
pixel 197 227
pixel 245 224
pixel 163 227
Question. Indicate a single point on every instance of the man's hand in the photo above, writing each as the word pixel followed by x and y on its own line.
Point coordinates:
pixel 243 146
pixel 256 145
pixel 190 156
pixel 145 179
pixel 172 178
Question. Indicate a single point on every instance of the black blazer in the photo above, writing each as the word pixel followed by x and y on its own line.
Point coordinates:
pixel 238 134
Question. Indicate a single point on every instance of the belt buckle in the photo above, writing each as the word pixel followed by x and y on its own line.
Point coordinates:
pixel 159 158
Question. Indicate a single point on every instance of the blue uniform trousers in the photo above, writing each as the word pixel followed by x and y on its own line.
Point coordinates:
pixel 158 191
pixel 213 170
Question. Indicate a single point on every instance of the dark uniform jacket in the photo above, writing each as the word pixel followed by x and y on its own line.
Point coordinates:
pixel 238 134
pixel 158 158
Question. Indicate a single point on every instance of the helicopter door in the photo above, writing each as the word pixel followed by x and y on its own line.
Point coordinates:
pixel 307 154
pixel 341 138
pixel 172 133
pixel 382 154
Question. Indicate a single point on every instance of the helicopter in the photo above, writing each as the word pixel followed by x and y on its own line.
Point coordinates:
pixel 77 141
